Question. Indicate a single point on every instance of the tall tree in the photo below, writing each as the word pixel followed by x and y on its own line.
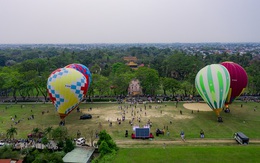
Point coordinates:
pixel 11 132
pixel 60 133
pixel 100 83
pixel 48 131
pixel 121 82
pixel 149 79
pixel 170 84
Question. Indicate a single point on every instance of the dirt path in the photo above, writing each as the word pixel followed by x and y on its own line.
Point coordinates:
pixel 151 143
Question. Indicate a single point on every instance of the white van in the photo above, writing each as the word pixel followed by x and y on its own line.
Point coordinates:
pixel 80 141
pixel 241 138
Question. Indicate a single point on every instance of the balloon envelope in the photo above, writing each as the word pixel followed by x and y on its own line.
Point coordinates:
pixel 212 82
pixel 66 88
pixel 83 69
pixel 238 80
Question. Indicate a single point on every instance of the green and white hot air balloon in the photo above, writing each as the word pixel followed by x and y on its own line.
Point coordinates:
pixel 213 82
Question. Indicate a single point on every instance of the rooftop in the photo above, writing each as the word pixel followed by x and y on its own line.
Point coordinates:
pixel 79 155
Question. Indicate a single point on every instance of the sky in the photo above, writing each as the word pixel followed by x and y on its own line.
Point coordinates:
pixel 128 21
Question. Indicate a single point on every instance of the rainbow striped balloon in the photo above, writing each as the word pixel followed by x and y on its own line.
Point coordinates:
pixel 212 82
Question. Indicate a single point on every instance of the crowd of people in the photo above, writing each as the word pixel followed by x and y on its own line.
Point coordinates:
pixel 138 116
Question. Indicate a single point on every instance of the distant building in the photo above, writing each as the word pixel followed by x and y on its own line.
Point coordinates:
pixel 134 88
pixel 130 59
pixel 132 65
pixel 132 62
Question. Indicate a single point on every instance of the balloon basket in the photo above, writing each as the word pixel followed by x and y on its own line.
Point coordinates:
pixel 62 123
pixel 220 119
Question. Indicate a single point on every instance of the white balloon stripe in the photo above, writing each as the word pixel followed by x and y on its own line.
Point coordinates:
pixel 211 83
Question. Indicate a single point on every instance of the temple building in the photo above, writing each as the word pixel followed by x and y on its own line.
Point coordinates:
pixel 134 88
pixel 132 62
pixel 132 65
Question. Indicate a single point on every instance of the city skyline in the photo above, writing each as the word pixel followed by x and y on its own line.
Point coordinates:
pixel 128 21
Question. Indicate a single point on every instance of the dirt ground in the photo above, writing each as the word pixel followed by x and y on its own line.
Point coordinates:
pixel 112 113
pixel 197 106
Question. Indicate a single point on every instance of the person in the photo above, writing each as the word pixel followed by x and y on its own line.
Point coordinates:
pixel 182 135
pixel 202 134
pixel 78 134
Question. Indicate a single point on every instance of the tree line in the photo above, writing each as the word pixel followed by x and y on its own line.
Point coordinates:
pixel 24 72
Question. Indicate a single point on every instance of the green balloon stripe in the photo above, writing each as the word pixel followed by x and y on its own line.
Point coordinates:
pixel 205 95
pixel 221 83
pixel 212 83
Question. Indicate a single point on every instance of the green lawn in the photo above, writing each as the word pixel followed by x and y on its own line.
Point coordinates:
pixel 212 154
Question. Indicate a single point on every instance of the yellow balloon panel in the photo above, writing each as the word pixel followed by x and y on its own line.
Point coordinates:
pixel 66 87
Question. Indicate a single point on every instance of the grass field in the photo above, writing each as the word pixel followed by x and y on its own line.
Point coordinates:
pixel 212 154
pixel 243 119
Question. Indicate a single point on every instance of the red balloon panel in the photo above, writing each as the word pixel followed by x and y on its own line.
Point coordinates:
pixel 238 80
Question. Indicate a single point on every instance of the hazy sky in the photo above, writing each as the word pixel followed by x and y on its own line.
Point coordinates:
pixel 129 21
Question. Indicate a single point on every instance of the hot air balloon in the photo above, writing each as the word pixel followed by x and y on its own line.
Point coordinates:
pixel 238 81
pixel 212 82
pixel 66 88
pixel 83 69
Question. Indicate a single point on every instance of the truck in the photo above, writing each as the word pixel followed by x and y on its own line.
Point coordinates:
pixel 241 138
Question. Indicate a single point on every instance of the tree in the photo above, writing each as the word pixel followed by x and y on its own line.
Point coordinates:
pixel 96 69
pixel 180 65
pixel 121 82
pixel 104 148
pixel 34 155
pixel 253 72
pixel 149 79
pixel 12 81
pixel 45 141
pixel 6 152
pixel 107 147
pixel 11 132
pixel 60 133
pixel 69 146
pixel 104 136
pixel 120 68
pixel 36 132
pixel 170 84
pixel 187 88
pixel 48 131
pixel 100 83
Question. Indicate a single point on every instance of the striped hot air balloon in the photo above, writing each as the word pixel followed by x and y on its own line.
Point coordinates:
pixel 212 82
pixel 238 81
pixel 66 87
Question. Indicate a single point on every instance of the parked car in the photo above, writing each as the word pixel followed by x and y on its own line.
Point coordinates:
pixel 2 143
pixel 80 141
pixel 86 116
